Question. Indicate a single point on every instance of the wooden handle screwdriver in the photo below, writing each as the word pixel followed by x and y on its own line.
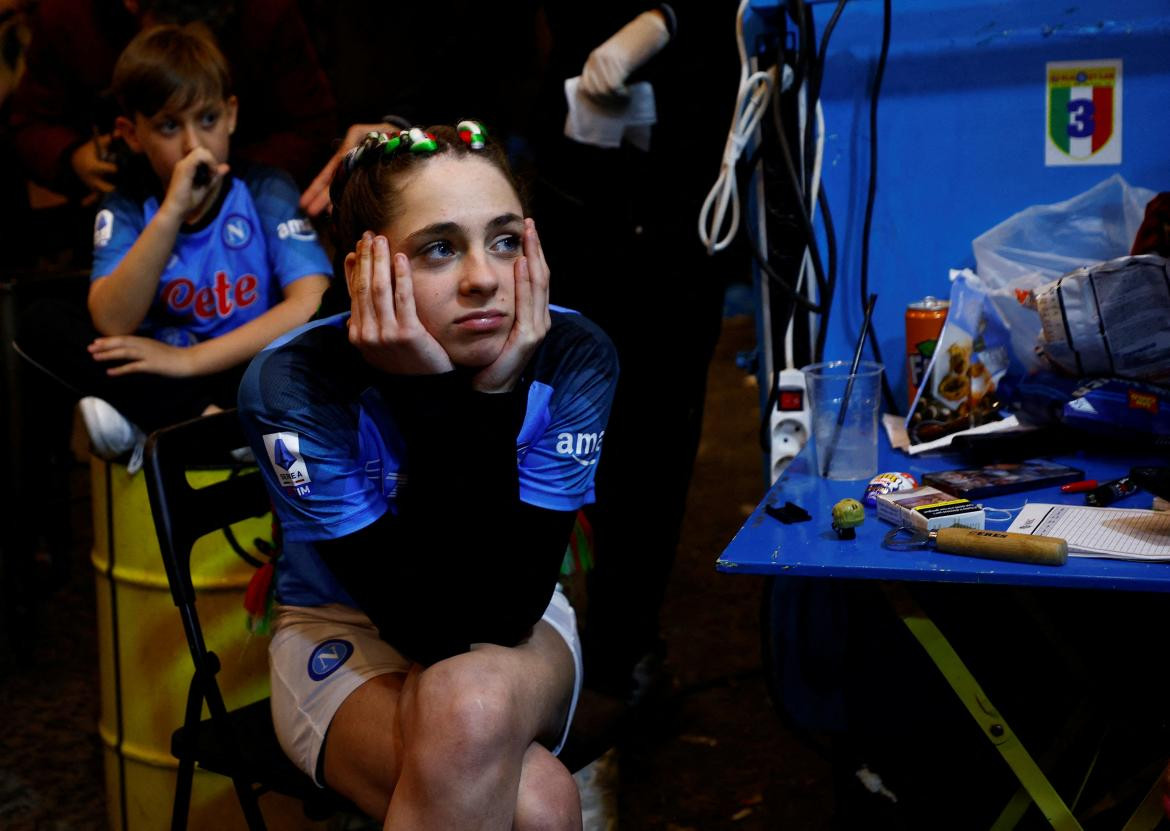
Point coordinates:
pixel 1001 545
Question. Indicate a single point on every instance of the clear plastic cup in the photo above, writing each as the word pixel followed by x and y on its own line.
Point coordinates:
pixel 845 432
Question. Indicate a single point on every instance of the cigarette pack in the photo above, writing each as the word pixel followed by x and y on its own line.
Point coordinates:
pixel 927 509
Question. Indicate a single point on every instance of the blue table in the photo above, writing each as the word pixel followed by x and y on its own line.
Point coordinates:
pixel 766 546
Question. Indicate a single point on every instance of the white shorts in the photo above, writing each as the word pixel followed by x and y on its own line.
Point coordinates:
pixel 321 654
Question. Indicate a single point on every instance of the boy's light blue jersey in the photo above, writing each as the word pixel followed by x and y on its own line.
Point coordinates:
pixel 230 269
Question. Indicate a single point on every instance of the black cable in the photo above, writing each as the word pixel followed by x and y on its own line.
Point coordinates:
pixel 815 73
pixel 813 91
pixel 831 245
pixel 805 224
pixel 810 66
pixel 765 436
pixel 775 277
pixel 807 55
pixel 801 20
pixel 230 535
pixel 806 228
pixel 887 390
pixel 825 35
pixel 799 185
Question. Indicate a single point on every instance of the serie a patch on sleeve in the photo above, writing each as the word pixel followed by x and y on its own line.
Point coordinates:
pixel 284 454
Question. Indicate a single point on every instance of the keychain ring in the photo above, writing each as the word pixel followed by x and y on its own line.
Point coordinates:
pixel 904 538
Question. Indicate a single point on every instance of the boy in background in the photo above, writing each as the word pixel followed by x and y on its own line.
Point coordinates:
pixel 198 264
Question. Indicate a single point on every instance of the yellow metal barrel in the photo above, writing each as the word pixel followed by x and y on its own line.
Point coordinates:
pixel 145 665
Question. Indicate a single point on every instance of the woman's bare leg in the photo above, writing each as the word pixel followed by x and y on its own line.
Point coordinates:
pixel 451 746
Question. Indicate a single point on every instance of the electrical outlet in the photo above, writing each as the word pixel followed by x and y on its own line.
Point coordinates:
pixel 789 421
pixel 789 436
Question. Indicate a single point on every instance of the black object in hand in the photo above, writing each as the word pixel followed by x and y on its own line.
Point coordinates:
pixel 1111 492
pixel 202 176
pixel 1154 479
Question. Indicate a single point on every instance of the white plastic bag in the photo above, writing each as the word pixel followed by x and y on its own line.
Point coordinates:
pixel 1043 242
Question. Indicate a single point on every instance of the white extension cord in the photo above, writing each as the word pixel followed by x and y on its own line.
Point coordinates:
pixel 790 421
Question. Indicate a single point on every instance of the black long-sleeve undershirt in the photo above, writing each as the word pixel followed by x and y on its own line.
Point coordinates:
pixel 461 559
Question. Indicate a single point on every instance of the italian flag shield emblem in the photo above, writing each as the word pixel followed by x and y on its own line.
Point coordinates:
pixel 1083 123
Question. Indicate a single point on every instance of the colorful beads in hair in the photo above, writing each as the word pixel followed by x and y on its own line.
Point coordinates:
pixel 378 144
pixel 385 146
pixel 473 133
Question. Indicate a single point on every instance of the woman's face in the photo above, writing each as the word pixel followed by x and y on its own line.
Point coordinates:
pixel 461 225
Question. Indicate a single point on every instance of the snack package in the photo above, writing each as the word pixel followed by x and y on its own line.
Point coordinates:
pixel 959 390
pixel 1116 406
pixel 885 483
pixel 1110 319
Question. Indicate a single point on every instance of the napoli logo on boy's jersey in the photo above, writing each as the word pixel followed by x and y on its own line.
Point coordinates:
pixel 237 231
pixel 328 657
pixel 103 228
pixel 284 452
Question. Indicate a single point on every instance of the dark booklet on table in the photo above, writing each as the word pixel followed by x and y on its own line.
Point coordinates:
pixel 1005 477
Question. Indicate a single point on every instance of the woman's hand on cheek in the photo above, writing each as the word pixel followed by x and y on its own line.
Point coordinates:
pixel 532 318
pixel 383 323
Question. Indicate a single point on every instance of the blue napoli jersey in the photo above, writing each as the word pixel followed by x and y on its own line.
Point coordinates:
pixel 225 272
pixel 334 461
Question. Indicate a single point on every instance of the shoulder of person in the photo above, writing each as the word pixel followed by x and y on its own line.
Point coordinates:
pixel 118 222
pixel 276 199
pixel 117 207
pixel 263 180
pixel 313 362
pixel 123 202
pixel 574 342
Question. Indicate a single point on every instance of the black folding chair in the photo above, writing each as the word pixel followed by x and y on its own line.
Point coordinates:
pixel 240 744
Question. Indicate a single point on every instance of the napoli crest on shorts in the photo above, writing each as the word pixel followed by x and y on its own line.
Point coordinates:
pixel 237 231
pixel 327 657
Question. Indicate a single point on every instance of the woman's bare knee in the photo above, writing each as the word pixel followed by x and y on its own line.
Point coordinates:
pixel 548 798
pixel 462 716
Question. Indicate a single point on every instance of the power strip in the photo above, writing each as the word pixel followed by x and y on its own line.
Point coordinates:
pixel 789 421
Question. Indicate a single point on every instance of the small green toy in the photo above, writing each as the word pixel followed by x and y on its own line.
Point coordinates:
pixel 847 515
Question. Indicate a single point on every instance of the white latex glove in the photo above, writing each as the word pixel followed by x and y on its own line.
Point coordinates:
pixel 603 77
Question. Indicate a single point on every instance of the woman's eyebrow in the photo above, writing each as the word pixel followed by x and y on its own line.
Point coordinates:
pixel 440 229
pixel 435 229
pixel 503 220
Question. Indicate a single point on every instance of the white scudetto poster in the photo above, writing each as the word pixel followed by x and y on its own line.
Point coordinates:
pixel 1082 112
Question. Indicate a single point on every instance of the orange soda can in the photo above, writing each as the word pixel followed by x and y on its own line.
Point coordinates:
pixel 924 323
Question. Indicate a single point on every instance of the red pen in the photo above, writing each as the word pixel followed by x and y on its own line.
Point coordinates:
pixel 1079 487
